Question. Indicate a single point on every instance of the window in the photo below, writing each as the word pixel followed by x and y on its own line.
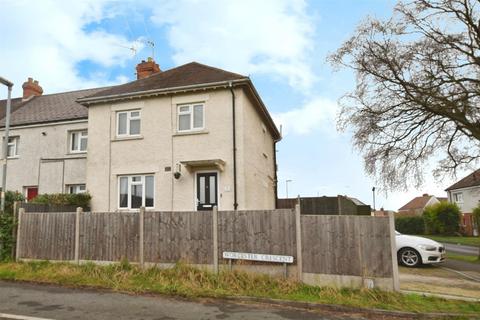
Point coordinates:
pixel 458 197
pixel 135 192
pixel 78 141
pixel 12 147
pixel 190 117
pixel 76 188
pixel 128 123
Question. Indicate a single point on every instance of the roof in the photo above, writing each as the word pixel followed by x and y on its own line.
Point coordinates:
pixel 357 202
pixel 189 74
pixel 47 108
pixel 472 180
pixel 417 203
pixel 187 77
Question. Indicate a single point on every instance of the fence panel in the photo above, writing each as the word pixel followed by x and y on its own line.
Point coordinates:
pixel 271 232
pixel 178 236
pixel 47 236
pixel 346 245
pixel 109 236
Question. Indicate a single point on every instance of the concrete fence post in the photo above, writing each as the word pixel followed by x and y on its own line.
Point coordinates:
pixel 77 234
pixel 141 224
pixel 215 238
pixel 393 247
pixel 21 212
pixel 16 205
pixel 298 234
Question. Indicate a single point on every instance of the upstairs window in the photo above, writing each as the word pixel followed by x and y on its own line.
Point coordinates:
pixel 12 147
pixel 78 141
pixel 190 117
pixel 128 123
pixel 458 197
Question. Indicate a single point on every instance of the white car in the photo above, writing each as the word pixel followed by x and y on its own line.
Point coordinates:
pixel 413 251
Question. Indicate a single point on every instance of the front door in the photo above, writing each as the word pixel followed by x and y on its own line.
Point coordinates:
pixel 206 190
pixel 32 192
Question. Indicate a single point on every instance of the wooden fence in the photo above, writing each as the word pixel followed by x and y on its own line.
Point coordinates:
pixel 353 247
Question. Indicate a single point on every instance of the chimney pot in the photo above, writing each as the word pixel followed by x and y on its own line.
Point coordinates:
pixel 425 195
pixel 31 88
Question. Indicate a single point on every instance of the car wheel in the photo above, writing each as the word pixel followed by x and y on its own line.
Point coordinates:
pixel 409 257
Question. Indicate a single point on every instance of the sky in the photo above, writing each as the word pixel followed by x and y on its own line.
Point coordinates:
pixel 282 45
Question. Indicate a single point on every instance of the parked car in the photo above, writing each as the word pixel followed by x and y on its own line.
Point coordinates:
pixel 414 251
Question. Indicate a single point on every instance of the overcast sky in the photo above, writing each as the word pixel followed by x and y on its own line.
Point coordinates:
pixel 281 45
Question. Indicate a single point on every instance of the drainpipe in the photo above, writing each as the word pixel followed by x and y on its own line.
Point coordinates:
pixel 235 204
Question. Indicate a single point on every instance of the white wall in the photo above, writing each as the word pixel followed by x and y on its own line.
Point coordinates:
pixel 471 198
pixel 160 146
pixel 36 144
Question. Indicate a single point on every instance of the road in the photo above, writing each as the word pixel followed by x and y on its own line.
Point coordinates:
pixel 31 302
pixel 461 249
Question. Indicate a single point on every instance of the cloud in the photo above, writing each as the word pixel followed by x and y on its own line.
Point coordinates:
pixel 48 39
pixel 272 37
pixel 317 114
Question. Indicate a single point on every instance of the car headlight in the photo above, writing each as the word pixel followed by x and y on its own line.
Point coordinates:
pixel 427 247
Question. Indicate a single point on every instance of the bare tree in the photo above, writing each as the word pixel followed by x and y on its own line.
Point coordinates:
pixel 417 95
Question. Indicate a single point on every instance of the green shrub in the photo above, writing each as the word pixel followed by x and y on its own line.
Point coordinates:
pixel 64 199
pixel 410 225
pixel 442 218
pixel 7 223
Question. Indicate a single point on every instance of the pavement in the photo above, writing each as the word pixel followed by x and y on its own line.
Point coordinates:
pixel 28 301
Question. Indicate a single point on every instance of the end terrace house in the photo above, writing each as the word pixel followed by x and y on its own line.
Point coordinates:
pixel 188 138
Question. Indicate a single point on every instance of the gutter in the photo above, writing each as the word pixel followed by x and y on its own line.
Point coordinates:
pixel 91 100
pixel 235 203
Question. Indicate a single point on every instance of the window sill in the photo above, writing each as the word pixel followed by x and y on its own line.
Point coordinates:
pixel 139 137
pixel 73 153
pixel 189 133
pixel 13 158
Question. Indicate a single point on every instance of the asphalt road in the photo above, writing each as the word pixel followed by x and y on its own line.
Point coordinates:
pixel 461 249
pixel 24 301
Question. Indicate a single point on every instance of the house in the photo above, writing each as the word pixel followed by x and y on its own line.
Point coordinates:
pixel 339 205
pixel 188 138
pixel 47 141
pixel 466 194
pixel 382 213
pixel 418 204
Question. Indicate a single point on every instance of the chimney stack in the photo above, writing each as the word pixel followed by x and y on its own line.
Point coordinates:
pixel 31 88
pixel 147 68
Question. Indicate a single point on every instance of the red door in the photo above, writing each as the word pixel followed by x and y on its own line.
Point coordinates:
pixel 32 192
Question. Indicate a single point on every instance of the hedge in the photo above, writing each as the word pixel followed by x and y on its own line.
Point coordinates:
pixel 64 199
pixel 442 218
pixel 7 223
pixel 410 225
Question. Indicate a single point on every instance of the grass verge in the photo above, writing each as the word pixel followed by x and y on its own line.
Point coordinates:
pixel 461 257
pixel 467 241
pixel 186 281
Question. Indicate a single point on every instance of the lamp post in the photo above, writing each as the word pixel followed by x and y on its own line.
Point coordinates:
pixel 5 141
pixel 286 186
pixel 373 191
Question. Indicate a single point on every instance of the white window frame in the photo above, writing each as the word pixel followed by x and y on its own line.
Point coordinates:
pixel 14 143
pixel 81 134
pixel 129 190
pixel 77 188
pixel 191 113
pixel 129 118
pixel 458 197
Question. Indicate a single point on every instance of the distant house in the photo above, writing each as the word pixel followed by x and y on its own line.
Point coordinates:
pixel 382 212
pixel 418 204
pixel 466 194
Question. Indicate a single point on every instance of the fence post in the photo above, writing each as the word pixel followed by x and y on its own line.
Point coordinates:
pixel 14 229
pixel 21 212
pixel 393 247
pixel 141 257
pixel 77 234
pixel 215 238
pixel 298 233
